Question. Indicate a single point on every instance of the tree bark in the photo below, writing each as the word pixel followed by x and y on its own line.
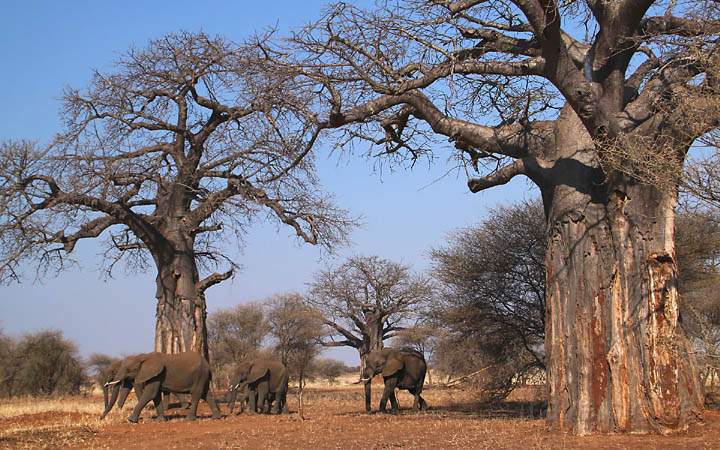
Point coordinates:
pixel 617 356
pixel 372 340
pixel 181 309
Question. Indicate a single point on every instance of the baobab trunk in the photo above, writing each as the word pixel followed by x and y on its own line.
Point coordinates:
pixel 617 356
pixel 181 310
pixel 372 340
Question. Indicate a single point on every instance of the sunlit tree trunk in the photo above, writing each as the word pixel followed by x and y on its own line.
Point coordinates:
pixel 181 310
pixel 372 340
pixel 617 356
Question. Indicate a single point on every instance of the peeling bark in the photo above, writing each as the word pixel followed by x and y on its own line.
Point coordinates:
pixel 617 356
pixel 181 309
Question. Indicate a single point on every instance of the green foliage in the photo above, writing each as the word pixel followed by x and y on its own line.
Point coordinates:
pixel 42 363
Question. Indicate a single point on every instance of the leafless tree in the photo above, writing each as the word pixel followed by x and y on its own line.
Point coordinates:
pixel 234 335
pixel 168 157
pixel 365 301
pixel 297 330
pixel 495 274
pixel 492 297
pixel 597 103
pixel 698 254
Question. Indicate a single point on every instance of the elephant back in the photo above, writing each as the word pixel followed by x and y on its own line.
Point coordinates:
pixel 275 370
pixel 415 367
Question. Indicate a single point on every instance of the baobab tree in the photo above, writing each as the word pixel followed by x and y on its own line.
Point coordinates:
pixel 169 157
pixel 597 103
pixel 367 300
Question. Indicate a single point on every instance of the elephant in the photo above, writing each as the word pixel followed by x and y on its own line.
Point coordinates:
pixel 121 391
pixel 261 382
pixel 154 374
pixel 402 369
pixel 241 394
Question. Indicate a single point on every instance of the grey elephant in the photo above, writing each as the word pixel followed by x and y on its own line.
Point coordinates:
pixel 260 382
pixel 401 369
pixel 240 393
pixel 155 374
pixel 120 391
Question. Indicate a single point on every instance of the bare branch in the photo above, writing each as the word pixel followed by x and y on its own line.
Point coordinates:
pixel 213 279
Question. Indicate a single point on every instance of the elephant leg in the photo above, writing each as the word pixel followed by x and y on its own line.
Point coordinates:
pixel 252 400
pixel 388 393
pixel 416 398
pixel 149 393
pixel 281 399
pixel 159 407
pixel 262 393
pixel 181 401
pixel 164 402
pixel 231 400
pixel 210 399
pixel 194 400
pixel 423 403
pixel 394 403
pixel 277 405
pixel 244 402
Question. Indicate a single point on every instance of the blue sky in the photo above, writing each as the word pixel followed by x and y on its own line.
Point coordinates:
pixel 46 46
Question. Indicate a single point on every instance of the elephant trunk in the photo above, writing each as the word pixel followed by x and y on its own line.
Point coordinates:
pixel 105 396
pixel 125 391
pixel 109 404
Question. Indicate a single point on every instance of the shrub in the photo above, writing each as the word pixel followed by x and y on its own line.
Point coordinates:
pixel 42 363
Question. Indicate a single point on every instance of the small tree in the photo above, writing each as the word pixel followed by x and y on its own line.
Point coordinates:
pixel 297 330
pixel 492 280
pixel 698 254
pixel 8 369
pixel 47 364
pixel 169 157
pixel 235 334
pixel 330 369
pixel 367 300
pixel 99 365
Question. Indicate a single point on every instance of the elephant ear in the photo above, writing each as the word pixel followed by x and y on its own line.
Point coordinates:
pixel 392 366
pixel 256 373
pixel 149 368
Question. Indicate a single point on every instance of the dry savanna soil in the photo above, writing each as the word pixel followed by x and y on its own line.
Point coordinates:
pixel 333 419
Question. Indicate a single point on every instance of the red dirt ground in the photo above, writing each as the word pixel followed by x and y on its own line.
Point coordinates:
pixel 332 420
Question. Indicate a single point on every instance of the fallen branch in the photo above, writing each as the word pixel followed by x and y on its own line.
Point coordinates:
pixel 465 377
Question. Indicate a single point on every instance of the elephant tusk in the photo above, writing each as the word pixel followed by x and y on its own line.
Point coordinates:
pixel 110 383
pixel 362 380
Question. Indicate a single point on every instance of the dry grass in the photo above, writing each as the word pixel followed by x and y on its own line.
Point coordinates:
pixel 35 405
pixel 334 419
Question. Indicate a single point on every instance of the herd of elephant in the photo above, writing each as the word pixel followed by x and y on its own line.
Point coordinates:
pixel 261 384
